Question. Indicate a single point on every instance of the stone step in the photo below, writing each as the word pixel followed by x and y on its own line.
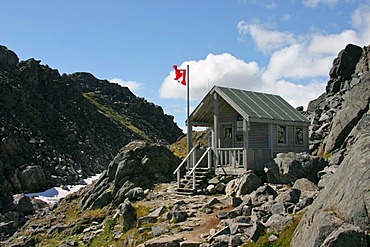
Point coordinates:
pixel 185 191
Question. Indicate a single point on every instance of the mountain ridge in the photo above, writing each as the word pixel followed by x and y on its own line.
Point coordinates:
pixel 57 129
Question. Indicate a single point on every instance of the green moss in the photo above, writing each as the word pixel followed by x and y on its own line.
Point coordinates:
pixel 110 113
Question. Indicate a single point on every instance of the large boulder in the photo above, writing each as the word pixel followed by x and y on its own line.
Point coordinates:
pixel 243 185
pixel 138 164
pixel 288 167
pixel 33 178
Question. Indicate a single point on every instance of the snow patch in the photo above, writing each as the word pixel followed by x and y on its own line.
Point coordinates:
pixel 53 195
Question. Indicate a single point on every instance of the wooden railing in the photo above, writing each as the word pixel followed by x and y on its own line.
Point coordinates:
pixel 178 169
pixel 192 172
pixel 230 157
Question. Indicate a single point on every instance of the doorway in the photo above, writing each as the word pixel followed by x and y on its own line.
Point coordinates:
pixel 227 136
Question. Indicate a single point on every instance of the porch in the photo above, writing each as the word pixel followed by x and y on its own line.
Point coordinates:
pixel 201 162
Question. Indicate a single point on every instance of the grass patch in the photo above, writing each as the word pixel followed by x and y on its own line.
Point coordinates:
pixel 179 148
pixel 140 210
pixel 325 156
pixel 110 113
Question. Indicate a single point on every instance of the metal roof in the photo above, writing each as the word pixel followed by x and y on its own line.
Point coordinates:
pixel 254 106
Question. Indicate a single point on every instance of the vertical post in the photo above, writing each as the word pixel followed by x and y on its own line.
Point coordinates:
pixel 245 142
pixel 189 125
pixel 271 146
pixel 215 128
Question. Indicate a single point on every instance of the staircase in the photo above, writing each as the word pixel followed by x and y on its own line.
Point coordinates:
pixel 202 175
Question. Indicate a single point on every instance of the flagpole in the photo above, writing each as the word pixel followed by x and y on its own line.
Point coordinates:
pixel 189 126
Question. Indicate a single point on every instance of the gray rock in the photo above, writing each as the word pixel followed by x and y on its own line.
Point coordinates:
pixel 220 241
pixel 145 220
pixel 235 213
pixel 291 195
pixel 303 184
pixel 278 208
pixel 345 198
pixel 211 189
pixel 158 230
pixel 164 241
pixel 22 204
pixel 128 215
pixel 236 201
pixel 178 216
pixel 220 187
pixel 288 167
pixel 263 194
pixel 8 228
pixel 277 222
pixel 190 243
pixel 214 181
pixel 254 232
pixel 231 187
pixel 135 193
pixel 346 235
pixel 158 212
pixel 355 105
pixel 33 179
pixel 248 183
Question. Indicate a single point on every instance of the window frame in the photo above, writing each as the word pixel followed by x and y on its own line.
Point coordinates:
pixel 284 127
pixel 295 136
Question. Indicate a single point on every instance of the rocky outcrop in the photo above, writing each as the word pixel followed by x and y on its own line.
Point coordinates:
pixel 344 202
pixel 138 164
pixel 58 129
pixel 336 112
pixel 341 123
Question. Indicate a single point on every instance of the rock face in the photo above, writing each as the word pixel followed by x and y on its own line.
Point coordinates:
pixel 345 200
pixel 336 112
pixel 57 129
pixel 138 164
pixel 339 216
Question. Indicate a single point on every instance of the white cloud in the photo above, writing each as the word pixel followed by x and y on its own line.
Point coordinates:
pixel 134 86
pixel 286 17
pixel 223 69
pixel 268 4
pixel 297 70
pixel 266 40
pixel 361 21
pixel 315 3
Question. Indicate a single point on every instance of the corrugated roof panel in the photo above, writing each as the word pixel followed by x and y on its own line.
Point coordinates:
pixel 246 105
pixel 265 106
pixel 290 110
pixel 252 104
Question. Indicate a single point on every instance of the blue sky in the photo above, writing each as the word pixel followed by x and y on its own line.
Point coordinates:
pixel 280 47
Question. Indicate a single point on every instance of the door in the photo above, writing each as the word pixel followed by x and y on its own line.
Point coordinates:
pixel 227 136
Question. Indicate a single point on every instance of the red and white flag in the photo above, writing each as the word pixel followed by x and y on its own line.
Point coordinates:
pixel 180 75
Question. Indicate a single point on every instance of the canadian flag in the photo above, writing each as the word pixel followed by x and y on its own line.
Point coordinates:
pixel 180 75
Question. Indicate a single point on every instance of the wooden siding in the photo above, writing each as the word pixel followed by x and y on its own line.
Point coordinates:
pixel 257 158
pixel 258 135
pixel 227 114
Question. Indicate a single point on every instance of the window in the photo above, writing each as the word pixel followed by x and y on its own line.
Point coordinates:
pixel 228 131
pixel 239 138
pixel 299 136
pixel 281 132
